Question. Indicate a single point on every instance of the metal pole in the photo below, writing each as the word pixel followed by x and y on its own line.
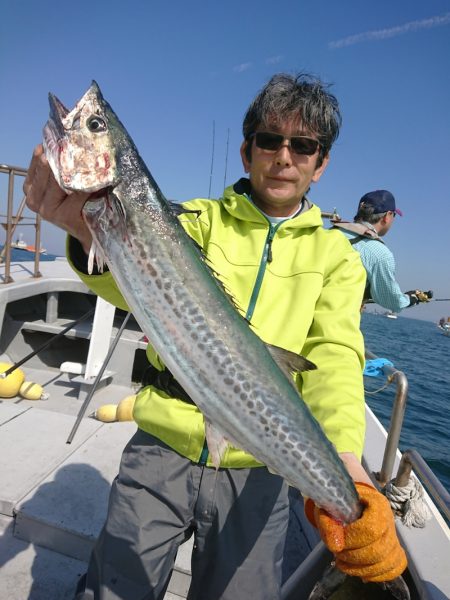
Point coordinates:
pixel 97 380
pixel 212 158
pixel 37 246
pixel 47 343
pixel 411 459
pixel 14 222
pixel 395 427
pixel 9 229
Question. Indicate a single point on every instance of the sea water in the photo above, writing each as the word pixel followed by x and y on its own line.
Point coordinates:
pixel 421 351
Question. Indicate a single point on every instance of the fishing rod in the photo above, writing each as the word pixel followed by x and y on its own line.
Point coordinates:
pixel 442 299
pixel 97 380
pixel 47 343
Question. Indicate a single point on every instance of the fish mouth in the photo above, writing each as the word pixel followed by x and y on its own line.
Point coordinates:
pixel 57 112
pixel 54 131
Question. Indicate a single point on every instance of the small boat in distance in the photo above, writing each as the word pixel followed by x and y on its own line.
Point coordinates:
pixel 444 325
pixel 20 244
pixel 390 315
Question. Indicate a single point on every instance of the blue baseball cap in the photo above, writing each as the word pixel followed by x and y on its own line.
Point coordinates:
pixel 381 200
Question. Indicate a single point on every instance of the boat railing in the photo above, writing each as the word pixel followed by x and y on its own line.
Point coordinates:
pixel 397 415
pixel 14 220
pixel 411 459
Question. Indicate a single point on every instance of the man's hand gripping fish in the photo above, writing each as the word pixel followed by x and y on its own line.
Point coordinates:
pixel 243 387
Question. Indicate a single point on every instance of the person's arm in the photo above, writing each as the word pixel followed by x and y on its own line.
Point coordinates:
pixel 355 468
pixel 369 547
pixel 334 392
pixel 384 288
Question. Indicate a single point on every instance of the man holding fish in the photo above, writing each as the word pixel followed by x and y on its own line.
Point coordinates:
pixel 221 430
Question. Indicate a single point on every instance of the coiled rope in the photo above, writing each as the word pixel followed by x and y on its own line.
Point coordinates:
pixel 408 502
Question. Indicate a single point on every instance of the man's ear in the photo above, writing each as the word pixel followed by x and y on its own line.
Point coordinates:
pixel 245 161
pixel 319 170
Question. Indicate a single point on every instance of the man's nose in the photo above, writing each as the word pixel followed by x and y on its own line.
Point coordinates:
pixel 283 156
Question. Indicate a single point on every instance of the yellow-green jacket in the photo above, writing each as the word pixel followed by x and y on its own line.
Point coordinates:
pixel 301 287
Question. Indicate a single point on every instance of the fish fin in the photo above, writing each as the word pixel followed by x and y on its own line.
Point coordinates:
pixel 178 209
pixel 217 443
pixel 290 362
pixel 272 471
pixel 397 588
pixel 121 214
pixel 330 581
pixel 221 282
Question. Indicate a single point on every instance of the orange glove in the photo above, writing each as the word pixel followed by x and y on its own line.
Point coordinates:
pixel 367 548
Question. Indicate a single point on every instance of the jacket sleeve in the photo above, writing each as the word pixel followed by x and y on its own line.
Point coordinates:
pixel 103 284
pixel 335 392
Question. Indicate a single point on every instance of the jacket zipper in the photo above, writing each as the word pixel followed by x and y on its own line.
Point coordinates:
pixel 266 258
pixel 204 455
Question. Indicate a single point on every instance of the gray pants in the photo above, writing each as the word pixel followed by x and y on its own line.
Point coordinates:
pixel 159 499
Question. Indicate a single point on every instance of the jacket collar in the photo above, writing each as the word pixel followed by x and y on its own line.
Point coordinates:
pixel 236 202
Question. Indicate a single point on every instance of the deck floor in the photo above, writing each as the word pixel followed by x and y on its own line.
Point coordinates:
pixel 53 496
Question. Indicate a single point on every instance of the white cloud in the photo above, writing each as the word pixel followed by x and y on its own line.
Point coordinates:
pixel 383 34
pixel 242 67
pixel 273 60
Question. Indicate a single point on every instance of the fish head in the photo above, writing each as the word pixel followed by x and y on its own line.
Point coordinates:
pixel 79 144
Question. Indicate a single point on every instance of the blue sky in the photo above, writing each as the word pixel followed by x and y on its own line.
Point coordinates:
pixel 170 69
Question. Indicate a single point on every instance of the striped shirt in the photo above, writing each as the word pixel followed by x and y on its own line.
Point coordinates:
pixel 379 263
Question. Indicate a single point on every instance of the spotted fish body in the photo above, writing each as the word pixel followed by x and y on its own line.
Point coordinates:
pixel 208 346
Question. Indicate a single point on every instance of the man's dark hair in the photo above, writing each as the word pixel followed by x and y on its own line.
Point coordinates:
pixel 302 97
pixel 366 213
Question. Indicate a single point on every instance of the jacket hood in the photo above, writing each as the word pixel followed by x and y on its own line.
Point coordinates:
pixel 236 202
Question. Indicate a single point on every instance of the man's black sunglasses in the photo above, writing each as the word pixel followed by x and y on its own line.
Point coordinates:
pixel 300 144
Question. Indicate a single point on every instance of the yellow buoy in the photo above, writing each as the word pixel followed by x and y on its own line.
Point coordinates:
pixel 32 391
pixel 125 408
pixel 106 413
pixel 10 385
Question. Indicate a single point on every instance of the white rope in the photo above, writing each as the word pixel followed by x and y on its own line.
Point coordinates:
pixel 389 380
pixel 408 502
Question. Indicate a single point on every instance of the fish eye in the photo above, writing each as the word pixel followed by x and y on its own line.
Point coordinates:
pixel 96 124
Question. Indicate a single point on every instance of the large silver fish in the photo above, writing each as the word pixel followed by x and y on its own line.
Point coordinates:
pixel 209 347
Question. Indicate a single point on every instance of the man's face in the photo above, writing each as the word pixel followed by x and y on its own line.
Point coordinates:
pixel 280 178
